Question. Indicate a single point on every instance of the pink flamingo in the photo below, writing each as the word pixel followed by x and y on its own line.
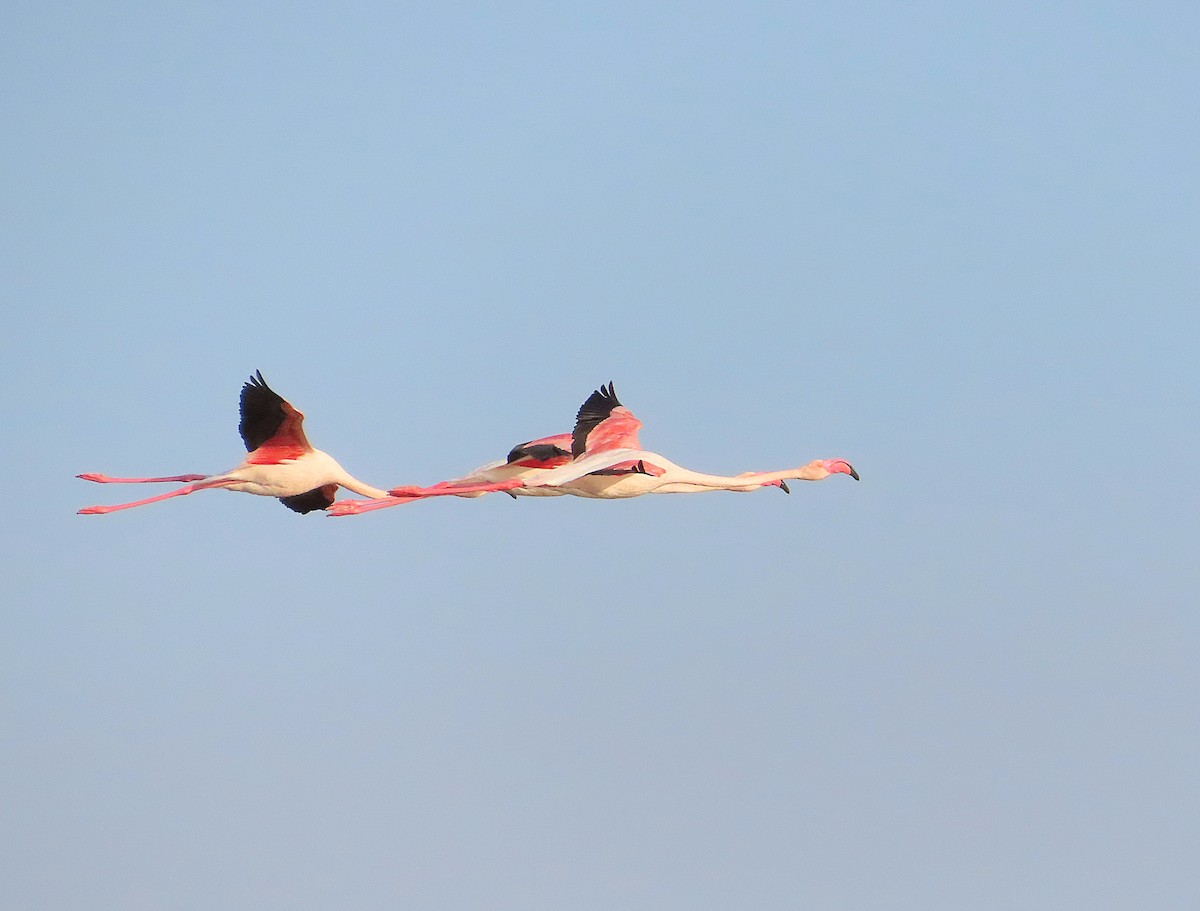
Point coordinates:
pixel 607 463
pixel 654 473
pixel 281 462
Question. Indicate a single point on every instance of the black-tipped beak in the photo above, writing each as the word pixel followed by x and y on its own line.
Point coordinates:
pixel 853 473
pixel 783 486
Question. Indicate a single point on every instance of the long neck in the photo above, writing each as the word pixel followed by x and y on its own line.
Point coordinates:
pixel 681 480
pixel 813 471
pixel 352 483
pixel 327 469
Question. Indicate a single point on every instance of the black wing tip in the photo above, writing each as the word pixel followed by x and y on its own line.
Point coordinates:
pixel 539 451
pixel 318 498
pixel 595 410
pixel 257 383
pixel 609 394
pixel 600 403
pixel 261 410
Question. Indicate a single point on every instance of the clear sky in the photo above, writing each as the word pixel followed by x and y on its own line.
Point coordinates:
pixel 952 243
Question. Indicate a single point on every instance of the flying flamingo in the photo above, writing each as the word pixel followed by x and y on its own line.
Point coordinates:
pixel 655 473
pixel 281 462
pixel 607 463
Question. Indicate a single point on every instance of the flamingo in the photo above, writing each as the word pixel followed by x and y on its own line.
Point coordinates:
pixel 281 462
pixel 607 463
pixel 655 473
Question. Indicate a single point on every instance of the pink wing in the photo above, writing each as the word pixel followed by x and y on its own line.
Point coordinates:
pixel 603 424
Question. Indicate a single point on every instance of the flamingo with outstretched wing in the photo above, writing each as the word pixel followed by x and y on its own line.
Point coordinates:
pixel 280 463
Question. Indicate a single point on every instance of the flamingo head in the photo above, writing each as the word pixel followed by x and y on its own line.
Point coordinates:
pixel 838 466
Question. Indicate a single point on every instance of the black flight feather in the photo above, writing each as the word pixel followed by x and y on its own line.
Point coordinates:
pixel 318 498
pixel 542 452
pixel 592 413
pixel 262 412
pixel 639 468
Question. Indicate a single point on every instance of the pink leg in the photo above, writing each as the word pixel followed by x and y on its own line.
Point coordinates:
pixel 782 485
pixel 182 491
pixel 454 490
pixel 105 479
pixel 413 491
pixel 354 507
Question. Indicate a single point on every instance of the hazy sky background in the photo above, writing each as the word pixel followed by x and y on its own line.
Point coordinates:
pixel 956 246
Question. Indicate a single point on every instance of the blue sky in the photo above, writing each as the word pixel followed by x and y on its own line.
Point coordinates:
pixel 955 246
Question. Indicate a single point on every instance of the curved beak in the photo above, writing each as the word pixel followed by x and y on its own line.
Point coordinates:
pixel 840 466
